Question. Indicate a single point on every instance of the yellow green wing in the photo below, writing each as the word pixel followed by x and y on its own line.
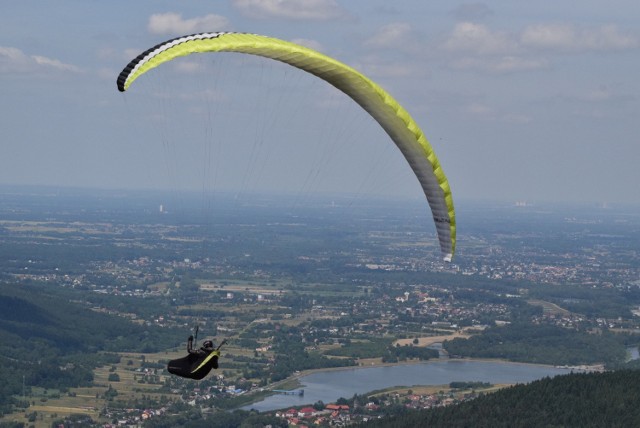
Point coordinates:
pixel 391 116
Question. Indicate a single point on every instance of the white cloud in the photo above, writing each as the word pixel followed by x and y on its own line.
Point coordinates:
pixel 173 23
pixel 391 36
pixel 479 109
pixel 476 46
pixel 309 10
pixel 479 39
pixel 500 64
pixel 401 39
pixel 13 60
pixel 54 63
pixel 566 37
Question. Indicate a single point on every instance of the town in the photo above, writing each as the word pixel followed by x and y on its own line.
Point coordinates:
pixel 322 288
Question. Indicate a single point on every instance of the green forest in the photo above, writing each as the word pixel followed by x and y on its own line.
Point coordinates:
pixel 541 344
pixel 66 341
pixel 608 399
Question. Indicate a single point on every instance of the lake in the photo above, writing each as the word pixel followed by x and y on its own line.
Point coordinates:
pixel 331 385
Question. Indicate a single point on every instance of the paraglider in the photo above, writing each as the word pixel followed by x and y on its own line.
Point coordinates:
pixel 390 115
pixel 198 362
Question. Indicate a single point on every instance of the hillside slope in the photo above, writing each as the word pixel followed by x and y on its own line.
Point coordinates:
pixel 607 399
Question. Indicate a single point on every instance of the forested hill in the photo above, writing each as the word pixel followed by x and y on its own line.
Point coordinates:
pixel 43 334
pixel 51 319
pixel 607 399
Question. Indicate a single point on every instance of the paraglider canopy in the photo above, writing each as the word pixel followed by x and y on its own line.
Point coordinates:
pixel 390 115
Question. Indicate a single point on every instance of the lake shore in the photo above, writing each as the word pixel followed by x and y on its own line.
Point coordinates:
pixel 376 362
pixel 328 384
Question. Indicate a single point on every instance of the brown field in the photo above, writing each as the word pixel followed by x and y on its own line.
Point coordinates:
pixel 54 408
pixel 49 227
pixel 246 288
pixel 548 307
pixel 134 384
pixel 90 400
pixel 430 340
pixel 434 389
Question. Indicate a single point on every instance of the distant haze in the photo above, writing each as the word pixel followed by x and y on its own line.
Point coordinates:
pixel 526 102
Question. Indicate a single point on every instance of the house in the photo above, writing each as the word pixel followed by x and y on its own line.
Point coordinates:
pixel 338 407
pixel 307 412
pixel 372 406
pixel 291 413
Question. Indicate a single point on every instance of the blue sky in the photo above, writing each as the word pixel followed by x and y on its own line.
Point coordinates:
pixel 522 101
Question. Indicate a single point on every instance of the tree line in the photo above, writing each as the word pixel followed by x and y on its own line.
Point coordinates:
pixel 542 344
pixel 67 340
pixel 608 399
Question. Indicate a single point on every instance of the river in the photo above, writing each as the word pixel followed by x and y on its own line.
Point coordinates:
pixel 328 386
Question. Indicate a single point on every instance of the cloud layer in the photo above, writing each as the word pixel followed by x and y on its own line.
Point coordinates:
pixel 476 46
pixel 172 23
pixel 13 60
pixel 569 38
pixel 308 10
